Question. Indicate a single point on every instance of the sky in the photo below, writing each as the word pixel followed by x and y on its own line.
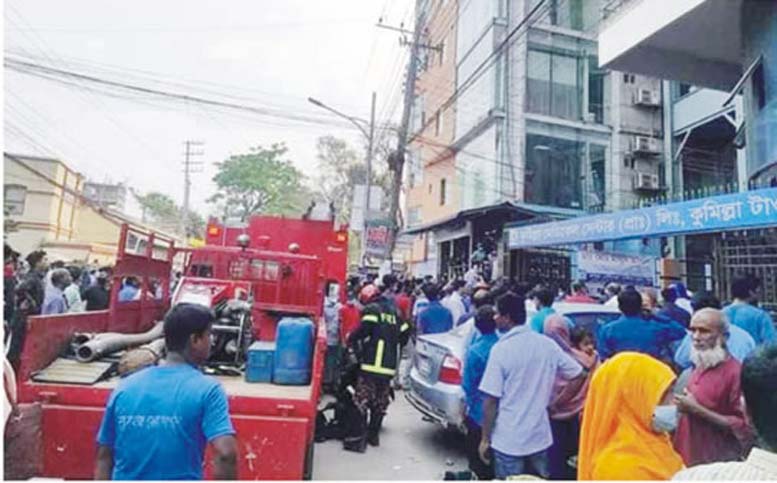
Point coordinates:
pixel 268 54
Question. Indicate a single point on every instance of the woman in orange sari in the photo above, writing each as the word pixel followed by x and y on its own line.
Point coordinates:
pixel 625 432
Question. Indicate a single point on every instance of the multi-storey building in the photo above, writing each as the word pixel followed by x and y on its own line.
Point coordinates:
pixel 720 115
pixel 44 197
pixel 538 124
pixel 433 189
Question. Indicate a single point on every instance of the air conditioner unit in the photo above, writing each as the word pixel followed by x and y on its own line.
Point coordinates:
pixel 645 144
pixel 646 181
pixel 647 97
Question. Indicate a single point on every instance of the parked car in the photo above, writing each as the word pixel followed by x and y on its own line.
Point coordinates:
pixel 435 377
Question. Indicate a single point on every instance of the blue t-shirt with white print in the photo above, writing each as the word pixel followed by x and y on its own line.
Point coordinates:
pixel 159 420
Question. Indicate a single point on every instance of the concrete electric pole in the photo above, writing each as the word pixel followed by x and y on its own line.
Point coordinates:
pixel 396 160
pixel 188 166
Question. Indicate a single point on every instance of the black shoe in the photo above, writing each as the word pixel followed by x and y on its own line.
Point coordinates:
pixel 357 444
pixel 373 429
pixel 373 438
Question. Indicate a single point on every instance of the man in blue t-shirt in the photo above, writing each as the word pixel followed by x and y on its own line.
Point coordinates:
pixel 742 313
pixel 130 289
pixel 159 420
pixel 435 318
pixel 543 300
pixel 634 332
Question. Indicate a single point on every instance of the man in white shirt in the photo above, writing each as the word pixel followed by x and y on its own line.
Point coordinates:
pixel 759 386
pixel 454 302
pixel 518 384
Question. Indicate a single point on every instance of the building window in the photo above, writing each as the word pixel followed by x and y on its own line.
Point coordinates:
pixel 567 13
pixel 414 216
pixel 443 192
pixel 629 79
pixel 15 197
pixel 553 85
pixel 595 90
pixel 430 188
pixel 553 171
pixel 759 87
pixel 438 123
pixel 597 186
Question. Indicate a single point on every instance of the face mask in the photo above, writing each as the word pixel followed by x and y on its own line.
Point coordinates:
pixel 665 419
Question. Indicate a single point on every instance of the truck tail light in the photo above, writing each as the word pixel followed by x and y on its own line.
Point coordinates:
pixel 214 230
pixel 341 237
pixel 450 371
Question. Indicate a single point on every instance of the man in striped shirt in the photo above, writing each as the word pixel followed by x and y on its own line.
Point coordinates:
pixel 759 385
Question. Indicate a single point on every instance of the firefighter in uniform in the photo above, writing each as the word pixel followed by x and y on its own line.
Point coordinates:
pixel 380 335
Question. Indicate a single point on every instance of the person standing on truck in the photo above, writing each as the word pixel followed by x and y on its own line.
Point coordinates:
pixel 380 335
pixel 159 420
pixel 28 301
pixel 98 296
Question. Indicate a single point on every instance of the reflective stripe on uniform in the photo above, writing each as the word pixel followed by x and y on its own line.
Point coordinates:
pixel 379 353
pixel 370 318
pixel 404 327
pixel 378 370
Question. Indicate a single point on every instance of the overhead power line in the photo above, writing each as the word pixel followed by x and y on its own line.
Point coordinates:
pixel 52 73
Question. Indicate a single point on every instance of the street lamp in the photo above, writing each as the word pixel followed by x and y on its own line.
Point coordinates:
pixel 370 137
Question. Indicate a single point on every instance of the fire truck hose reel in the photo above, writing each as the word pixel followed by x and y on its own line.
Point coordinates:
pixel 101 346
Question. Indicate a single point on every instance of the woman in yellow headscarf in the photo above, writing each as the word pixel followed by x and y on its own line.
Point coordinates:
pixel 624 436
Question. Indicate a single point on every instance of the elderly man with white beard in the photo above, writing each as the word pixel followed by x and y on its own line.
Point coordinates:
pixel 712 426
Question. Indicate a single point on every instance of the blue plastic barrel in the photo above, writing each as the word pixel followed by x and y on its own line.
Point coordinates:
pixel 293 351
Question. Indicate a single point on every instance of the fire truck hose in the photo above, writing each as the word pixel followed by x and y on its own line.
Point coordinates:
pixel 101 346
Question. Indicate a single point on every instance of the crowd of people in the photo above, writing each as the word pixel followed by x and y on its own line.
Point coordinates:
pixel 35 286
pixel 677 386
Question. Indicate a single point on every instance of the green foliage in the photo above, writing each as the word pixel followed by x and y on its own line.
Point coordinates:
pixel 340 169
pixel 161 210
pixel 159 207
pixel 259 182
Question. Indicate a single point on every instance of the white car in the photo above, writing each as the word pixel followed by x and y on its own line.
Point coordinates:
pixel 435 378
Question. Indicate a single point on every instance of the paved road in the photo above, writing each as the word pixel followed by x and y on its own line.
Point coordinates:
pixel 410 449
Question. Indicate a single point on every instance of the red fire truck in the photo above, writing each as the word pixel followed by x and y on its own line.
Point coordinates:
pixel 274 423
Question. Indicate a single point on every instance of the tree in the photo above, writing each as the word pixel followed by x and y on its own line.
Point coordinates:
pixel 340 169
pixel 157 207
pixel 161 210
pixel 259 182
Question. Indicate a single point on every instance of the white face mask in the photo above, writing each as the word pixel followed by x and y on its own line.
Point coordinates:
pixel 665 418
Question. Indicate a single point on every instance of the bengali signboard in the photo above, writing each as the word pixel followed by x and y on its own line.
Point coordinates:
pixel 750 209
pixel 603 267
pixel 378 233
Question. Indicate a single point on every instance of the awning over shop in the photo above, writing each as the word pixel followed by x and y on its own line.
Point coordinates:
pixel 546 213
pixel 751 209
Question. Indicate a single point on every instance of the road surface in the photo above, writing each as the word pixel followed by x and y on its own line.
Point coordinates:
pixel 410 449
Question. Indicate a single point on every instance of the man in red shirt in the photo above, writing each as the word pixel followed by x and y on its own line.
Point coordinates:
pixel 350 317
pixel 580 294
pixel 404 302
pixel 712 426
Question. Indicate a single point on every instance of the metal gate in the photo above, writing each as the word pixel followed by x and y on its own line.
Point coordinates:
pixel 751 253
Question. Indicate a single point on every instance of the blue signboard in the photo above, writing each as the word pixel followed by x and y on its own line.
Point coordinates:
pixel 751 209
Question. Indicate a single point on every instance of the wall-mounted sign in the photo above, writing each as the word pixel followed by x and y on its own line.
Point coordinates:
pixel 736 211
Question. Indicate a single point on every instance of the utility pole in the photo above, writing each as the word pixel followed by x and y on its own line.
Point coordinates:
pixel 188 164
pixel 396 160
pixel 370 151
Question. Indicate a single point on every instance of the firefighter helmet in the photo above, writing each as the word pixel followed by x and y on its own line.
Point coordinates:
pixel 368 293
